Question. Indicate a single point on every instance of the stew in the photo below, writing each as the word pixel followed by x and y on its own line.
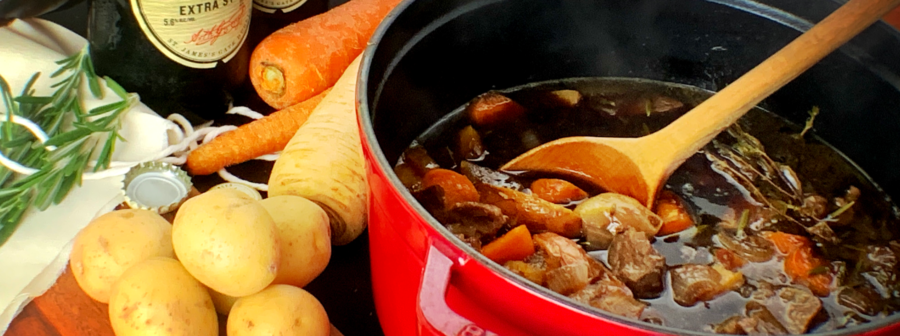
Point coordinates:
pixel 765 231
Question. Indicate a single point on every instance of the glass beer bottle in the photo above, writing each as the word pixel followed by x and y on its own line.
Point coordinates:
pixel 181 56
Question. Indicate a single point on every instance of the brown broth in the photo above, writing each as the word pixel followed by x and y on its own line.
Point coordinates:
pixel 617 107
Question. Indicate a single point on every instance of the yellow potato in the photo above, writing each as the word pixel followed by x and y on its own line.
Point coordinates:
pixel 112 243
pixel 222 302
pixel 305 238
pixel 159 297
pixel 228 241
pixel 282 310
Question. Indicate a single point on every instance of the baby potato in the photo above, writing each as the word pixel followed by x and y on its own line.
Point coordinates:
pixel 228 241
pixel 159 297
pixel 112 243
pixel 278 310
pixel 305 237
pixel 222 302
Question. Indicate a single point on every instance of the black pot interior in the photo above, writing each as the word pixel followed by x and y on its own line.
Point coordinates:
pixel 435 55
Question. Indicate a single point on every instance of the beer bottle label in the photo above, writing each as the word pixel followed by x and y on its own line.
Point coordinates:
pixel 270 6
pixel 195 34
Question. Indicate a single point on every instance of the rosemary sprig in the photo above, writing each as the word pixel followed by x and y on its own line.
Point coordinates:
pixel 73 138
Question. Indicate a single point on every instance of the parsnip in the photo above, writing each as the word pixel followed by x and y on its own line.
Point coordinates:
pixel 324 163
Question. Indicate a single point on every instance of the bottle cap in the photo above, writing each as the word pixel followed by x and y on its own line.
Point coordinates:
pixel 156 186
pixel 253 193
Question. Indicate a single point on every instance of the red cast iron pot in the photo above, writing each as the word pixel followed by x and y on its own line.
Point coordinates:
pixel 431 56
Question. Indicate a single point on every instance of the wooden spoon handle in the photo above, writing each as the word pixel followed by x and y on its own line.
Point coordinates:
pixel 695 129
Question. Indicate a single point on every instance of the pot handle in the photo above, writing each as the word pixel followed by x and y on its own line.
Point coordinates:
pixel 432 305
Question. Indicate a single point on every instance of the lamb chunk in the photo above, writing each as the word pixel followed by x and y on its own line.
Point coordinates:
pixel 814 206
pixel 846 217
pixel 796 308
pixel 694 283
pixel 731 326
pixel 800 306
pixel 863 299
pixel 486 219
pixel 760 321
pixel 474 223
pixel 432 199
pixel 620 304
pixel 611 295
pixel 634 260
pixel 569 267
pixel 751 247
pixel 881 266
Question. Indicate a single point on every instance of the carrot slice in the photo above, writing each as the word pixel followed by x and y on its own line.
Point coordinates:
pixel 457 188
pixel 492 109
pixel 675 217
pixel 557 191
pixel 809 270
pixel 786 242
pixel 514 245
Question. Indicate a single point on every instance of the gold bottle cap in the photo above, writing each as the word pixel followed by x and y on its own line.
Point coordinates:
pixel 253 193
pixel 156 186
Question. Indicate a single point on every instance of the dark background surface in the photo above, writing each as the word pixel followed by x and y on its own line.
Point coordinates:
pixel 345 287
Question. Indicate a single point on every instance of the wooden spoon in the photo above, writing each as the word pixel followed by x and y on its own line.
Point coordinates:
pixel 638 167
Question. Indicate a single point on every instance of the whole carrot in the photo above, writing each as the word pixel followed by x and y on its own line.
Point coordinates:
pixel 306 57
pixel 266 135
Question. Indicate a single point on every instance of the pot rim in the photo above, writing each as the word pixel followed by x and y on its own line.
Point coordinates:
pixel 366 123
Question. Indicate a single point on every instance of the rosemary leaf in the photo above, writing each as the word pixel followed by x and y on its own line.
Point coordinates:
pixel 10 108
pixel 4 193
pixel 28 90
pixel 78 111
pixel 113 85
pixel 19 141
pixel 67 137
pixel 94 126
pixel 68 59
pixel 70 65
pixel 93 80
pixel 67 150
pixel 65 187
pixel 108 121
pixel 10 217
pixel 15 154
pixel 58 84
pixel 107 108
pixel 33 100
pixel 62 70
pixel 47 191
pixel 106 153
